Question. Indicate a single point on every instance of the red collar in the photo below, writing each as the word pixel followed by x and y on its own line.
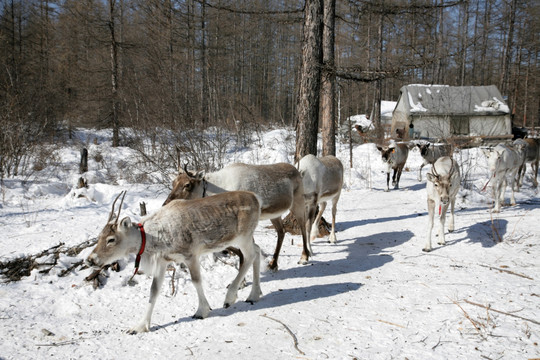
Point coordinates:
pixel 141 250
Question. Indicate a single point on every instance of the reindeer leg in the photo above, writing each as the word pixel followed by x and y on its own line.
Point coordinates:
pixel 431 214
pixel 452 206
pixel 144 324
pixel 388 180
pixel 311 221
pixel 195 270
pixel 442 221
pixel 248 249
pixel 332 237
pixel 298 209
pixel 394 177
pixel 315 226
pixel 253 257
pixel 420 172
pixel 512 185
pixel 398 177
pixel 278 225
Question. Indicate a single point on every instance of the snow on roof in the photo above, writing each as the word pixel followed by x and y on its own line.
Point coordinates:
pixel 455 100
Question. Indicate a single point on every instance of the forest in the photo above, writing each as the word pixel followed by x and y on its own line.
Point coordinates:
pixel 176 67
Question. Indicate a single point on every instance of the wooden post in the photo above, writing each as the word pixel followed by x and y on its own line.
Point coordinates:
pixel 83 167
pixel 142 206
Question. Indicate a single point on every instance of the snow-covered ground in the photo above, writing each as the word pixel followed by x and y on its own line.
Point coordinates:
pixel 373 295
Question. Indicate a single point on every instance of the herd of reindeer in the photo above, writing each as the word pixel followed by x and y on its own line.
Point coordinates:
pixel 211 212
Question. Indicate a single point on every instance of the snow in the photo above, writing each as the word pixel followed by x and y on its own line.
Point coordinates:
pixel 492 106
pixel 373 295
pixel 415 107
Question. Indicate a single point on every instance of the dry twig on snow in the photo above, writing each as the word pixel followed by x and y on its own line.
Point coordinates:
pixel 289 331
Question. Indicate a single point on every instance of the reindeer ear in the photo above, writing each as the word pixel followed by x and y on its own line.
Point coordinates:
pixel 125 223
pixel 431 177
pixel 379 148
pixel 199 175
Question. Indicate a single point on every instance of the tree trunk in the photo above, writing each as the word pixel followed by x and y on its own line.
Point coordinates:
pixel 328 84
pixel 204 67
pixel 307 106
pixel 505 75
pixel 114 76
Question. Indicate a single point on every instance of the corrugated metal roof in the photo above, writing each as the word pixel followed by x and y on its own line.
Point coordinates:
pixel 453 100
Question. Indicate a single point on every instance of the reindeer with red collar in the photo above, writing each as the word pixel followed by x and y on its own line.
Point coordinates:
pixel 182 231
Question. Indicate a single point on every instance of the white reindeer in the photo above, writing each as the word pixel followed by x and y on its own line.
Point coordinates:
pixel 395 156
pixel 503 160
pixel 442 187
pixel 431 153
pixel 323 180
pixel 278 186
pixel 182 231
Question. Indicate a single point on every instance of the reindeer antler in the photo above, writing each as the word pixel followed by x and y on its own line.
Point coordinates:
pixel 123 193
pixel 187 171
pixel 451 172
pixel 434 171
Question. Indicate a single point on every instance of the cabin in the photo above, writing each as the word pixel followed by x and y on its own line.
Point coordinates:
pixel 463 114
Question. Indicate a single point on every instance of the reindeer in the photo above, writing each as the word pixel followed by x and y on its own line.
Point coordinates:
pixel 442 187
pixel 279 187
pixel 531 151
pixel 503 160
pixel 431 153
pixel 323 180
pixel 182 231
pixel 395 157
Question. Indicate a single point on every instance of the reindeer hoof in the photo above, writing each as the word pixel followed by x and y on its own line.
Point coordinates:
pixel 138 329
pixel 426 250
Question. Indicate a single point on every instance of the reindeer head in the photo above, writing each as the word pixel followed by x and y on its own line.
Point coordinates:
pixel 493 156
pixel 113 241
pixel 386 152
pixel 423 148
pixel 187 186
pixel 442 184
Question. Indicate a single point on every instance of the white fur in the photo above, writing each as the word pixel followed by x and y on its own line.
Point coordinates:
pixel 323 180
pixel 442 187
pixel 503 161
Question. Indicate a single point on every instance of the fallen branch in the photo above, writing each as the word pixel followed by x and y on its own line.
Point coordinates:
pixel 507 271
pixel 288 330
pixel 502 312
pixel 66 342
pixel 467 316
pixel 16 269
pixel 391 323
